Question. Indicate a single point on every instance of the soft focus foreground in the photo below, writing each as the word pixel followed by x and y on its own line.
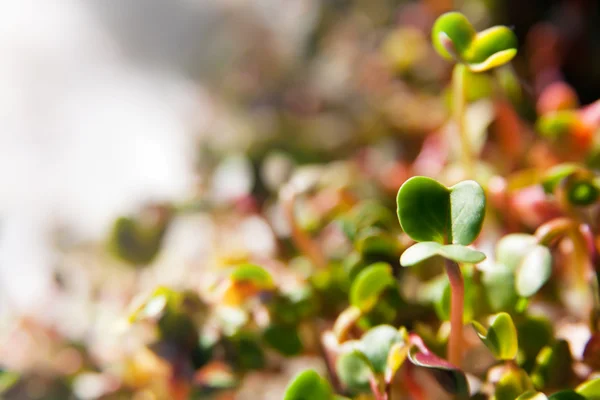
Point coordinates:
pixel 201 199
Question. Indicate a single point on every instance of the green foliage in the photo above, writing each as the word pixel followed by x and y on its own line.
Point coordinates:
pixel 512 384
pixel 454 38
pixel 424 250
pixel 500 337
pixel 369 285
pixel 308 385
pixel 429 211
pixel 590 389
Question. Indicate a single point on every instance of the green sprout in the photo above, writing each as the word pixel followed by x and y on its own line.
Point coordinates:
pixel 455 39
pixel 444 221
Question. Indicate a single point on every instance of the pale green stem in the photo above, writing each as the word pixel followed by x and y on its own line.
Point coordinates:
pixel 459 102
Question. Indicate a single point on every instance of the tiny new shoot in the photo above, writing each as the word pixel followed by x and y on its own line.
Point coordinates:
pixel 455 39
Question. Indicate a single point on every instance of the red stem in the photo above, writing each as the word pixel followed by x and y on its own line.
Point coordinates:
pixel 457 299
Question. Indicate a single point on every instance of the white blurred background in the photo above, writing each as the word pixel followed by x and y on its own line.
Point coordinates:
pixel 101 103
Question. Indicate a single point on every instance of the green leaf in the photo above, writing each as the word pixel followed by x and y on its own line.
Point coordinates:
pixel 500 338
pixel 590 389
pixel 424 209
pixel 467 210
pixel 7 380
pixel 308 385
pixel 461 254
pixel 512 383
pixel 369 284
pixel 554 126
pixel 495 60
pixel 429 211
pixel 534 271
pixel 554 175
pixel 421 251
pixel 499 288
pixel 566 395
pixel 375 242
pixel 553 366
pixel 250 273
pixel 354 371
pixel 284 339
pixel 534 332
pixel 376 345
pixel 491 48
pixel 452 34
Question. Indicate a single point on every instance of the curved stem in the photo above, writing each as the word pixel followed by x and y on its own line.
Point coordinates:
pixel 459 102
pixel 457 298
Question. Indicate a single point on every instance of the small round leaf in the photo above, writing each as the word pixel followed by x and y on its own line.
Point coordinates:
pixel 500 338
pixel 369 284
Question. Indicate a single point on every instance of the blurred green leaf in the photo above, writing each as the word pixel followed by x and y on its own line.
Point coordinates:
pixel 254 274
pixel 369 284
pixel 284 339
pixel 590 389
pixel 500 338
pixel 553 367
pixel 308 385
pixel 354 371
pixel 512 383
pixel 452 34
pixel 376 345
pixel 424 250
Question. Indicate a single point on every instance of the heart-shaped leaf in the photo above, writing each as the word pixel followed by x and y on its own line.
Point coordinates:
pixel 500 338
pixel 429 211
pixel 308 385
pixel 512 383
pixel 450 377
pixel 590 389
pixel 534 271
pixel 369 284
pixel 421 251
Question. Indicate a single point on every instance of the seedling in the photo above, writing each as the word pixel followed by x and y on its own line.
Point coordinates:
pixel 444 221
pixel 455 39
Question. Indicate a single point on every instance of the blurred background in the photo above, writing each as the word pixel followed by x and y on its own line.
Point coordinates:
pixel 111 108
